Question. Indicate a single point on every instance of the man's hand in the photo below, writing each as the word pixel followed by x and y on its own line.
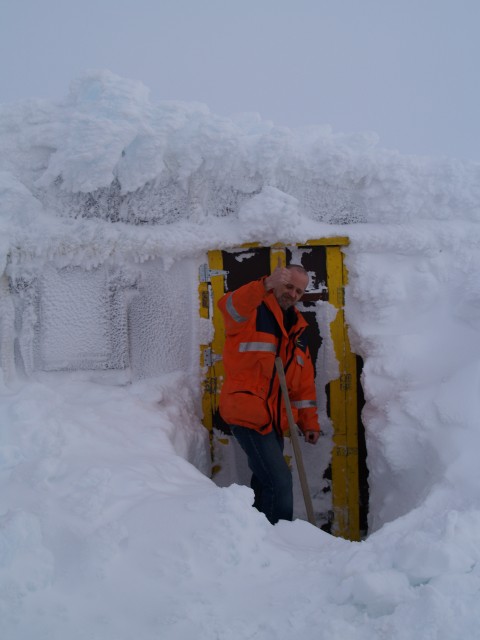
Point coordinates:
pixel 281 275
pixel 311 436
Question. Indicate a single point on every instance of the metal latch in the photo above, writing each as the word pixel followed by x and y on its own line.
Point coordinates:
pixel 209 358
pixel 205 274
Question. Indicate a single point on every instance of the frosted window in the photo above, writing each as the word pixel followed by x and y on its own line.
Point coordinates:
pixel 74 323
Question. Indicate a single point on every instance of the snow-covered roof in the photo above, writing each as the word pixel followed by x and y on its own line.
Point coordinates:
pixel 108 154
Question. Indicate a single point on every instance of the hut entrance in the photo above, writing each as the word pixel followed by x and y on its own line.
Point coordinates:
pixel 336 466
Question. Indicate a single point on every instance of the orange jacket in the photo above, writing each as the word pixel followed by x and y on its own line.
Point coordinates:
pixel 255 335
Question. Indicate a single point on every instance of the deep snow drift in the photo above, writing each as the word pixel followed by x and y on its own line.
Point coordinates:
pixel 109 527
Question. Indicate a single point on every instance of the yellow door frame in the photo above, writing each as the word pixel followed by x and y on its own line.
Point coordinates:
pixel 343 390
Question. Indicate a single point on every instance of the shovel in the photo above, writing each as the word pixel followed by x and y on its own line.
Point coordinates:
pixel 295 442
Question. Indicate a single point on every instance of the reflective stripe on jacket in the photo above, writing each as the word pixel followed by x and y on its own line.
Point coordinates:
pixel 255 335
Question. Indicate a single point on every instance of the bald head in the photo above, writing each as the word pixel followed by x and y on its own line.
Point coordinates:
pixel 289 293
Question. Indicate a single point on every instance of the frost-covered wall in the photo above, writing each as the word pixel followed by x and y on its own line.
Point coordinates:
pixel 108 204
pixel 163 320
pixel 136 317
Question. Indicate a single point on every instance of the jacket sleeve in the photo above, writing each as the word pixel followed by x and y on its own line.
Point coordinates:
pixel 304 397
pixel 238 306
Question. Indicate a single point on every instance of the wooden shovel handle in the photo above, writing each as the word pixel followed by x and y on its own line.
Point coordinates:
pixel 295 442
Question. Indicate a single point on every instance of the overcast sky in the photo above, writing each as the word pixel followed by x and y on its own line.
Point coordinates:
pixel 406 69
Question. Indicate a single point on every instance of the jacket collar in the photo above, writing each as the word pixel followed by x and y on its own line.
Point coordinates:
pixel 277 311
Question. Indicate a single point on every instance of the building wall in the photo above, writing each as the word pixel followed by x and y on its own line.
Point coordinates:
pixel 137 317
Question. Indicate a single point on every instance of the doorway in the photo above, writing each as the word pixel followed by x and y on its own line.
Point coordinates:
pixel 336 466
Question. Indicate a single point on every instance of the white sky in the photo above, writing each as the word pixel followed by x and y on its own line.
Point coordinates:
pixel 407 69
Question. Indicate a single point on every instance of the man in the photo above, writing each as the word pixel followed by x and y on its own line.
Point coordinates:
pixel 261 324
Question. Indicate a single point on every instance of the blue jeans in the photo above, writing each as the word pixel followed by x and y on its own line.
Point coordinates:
pixel 271 479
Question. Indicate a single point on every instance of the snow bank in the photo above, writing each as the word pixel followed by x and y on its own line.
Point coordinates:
pixel 108 528
pixel 108 532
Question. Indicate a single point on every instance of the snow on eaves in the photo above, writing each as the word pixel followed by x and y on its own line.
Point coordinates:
pixel 106 154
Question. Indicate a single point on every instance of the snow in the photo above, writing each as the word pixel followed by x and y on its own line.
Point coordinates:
pixel 110 528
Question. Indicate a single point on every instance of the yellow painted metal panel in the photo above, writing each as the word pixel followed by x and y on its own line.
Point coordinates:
pixel 211 354
pixel 325 242
pixel 204 311
pixel 277 253
pixel 251 245
pixel 209 294
pixel 343 410
pixel 339 466
pixel 215 261
pixel 351 416
pixel 329 242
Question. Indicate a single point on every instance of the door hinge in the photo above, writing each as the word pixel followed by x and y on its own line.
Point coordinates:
pixel 205 300
pixel 209 358
pixel 346 381
pixel 205 274
pixel 210 386
pixel 344 452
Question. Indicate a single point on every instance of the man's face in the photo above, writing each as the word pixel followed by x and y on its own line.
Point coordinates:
pixel 289 294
